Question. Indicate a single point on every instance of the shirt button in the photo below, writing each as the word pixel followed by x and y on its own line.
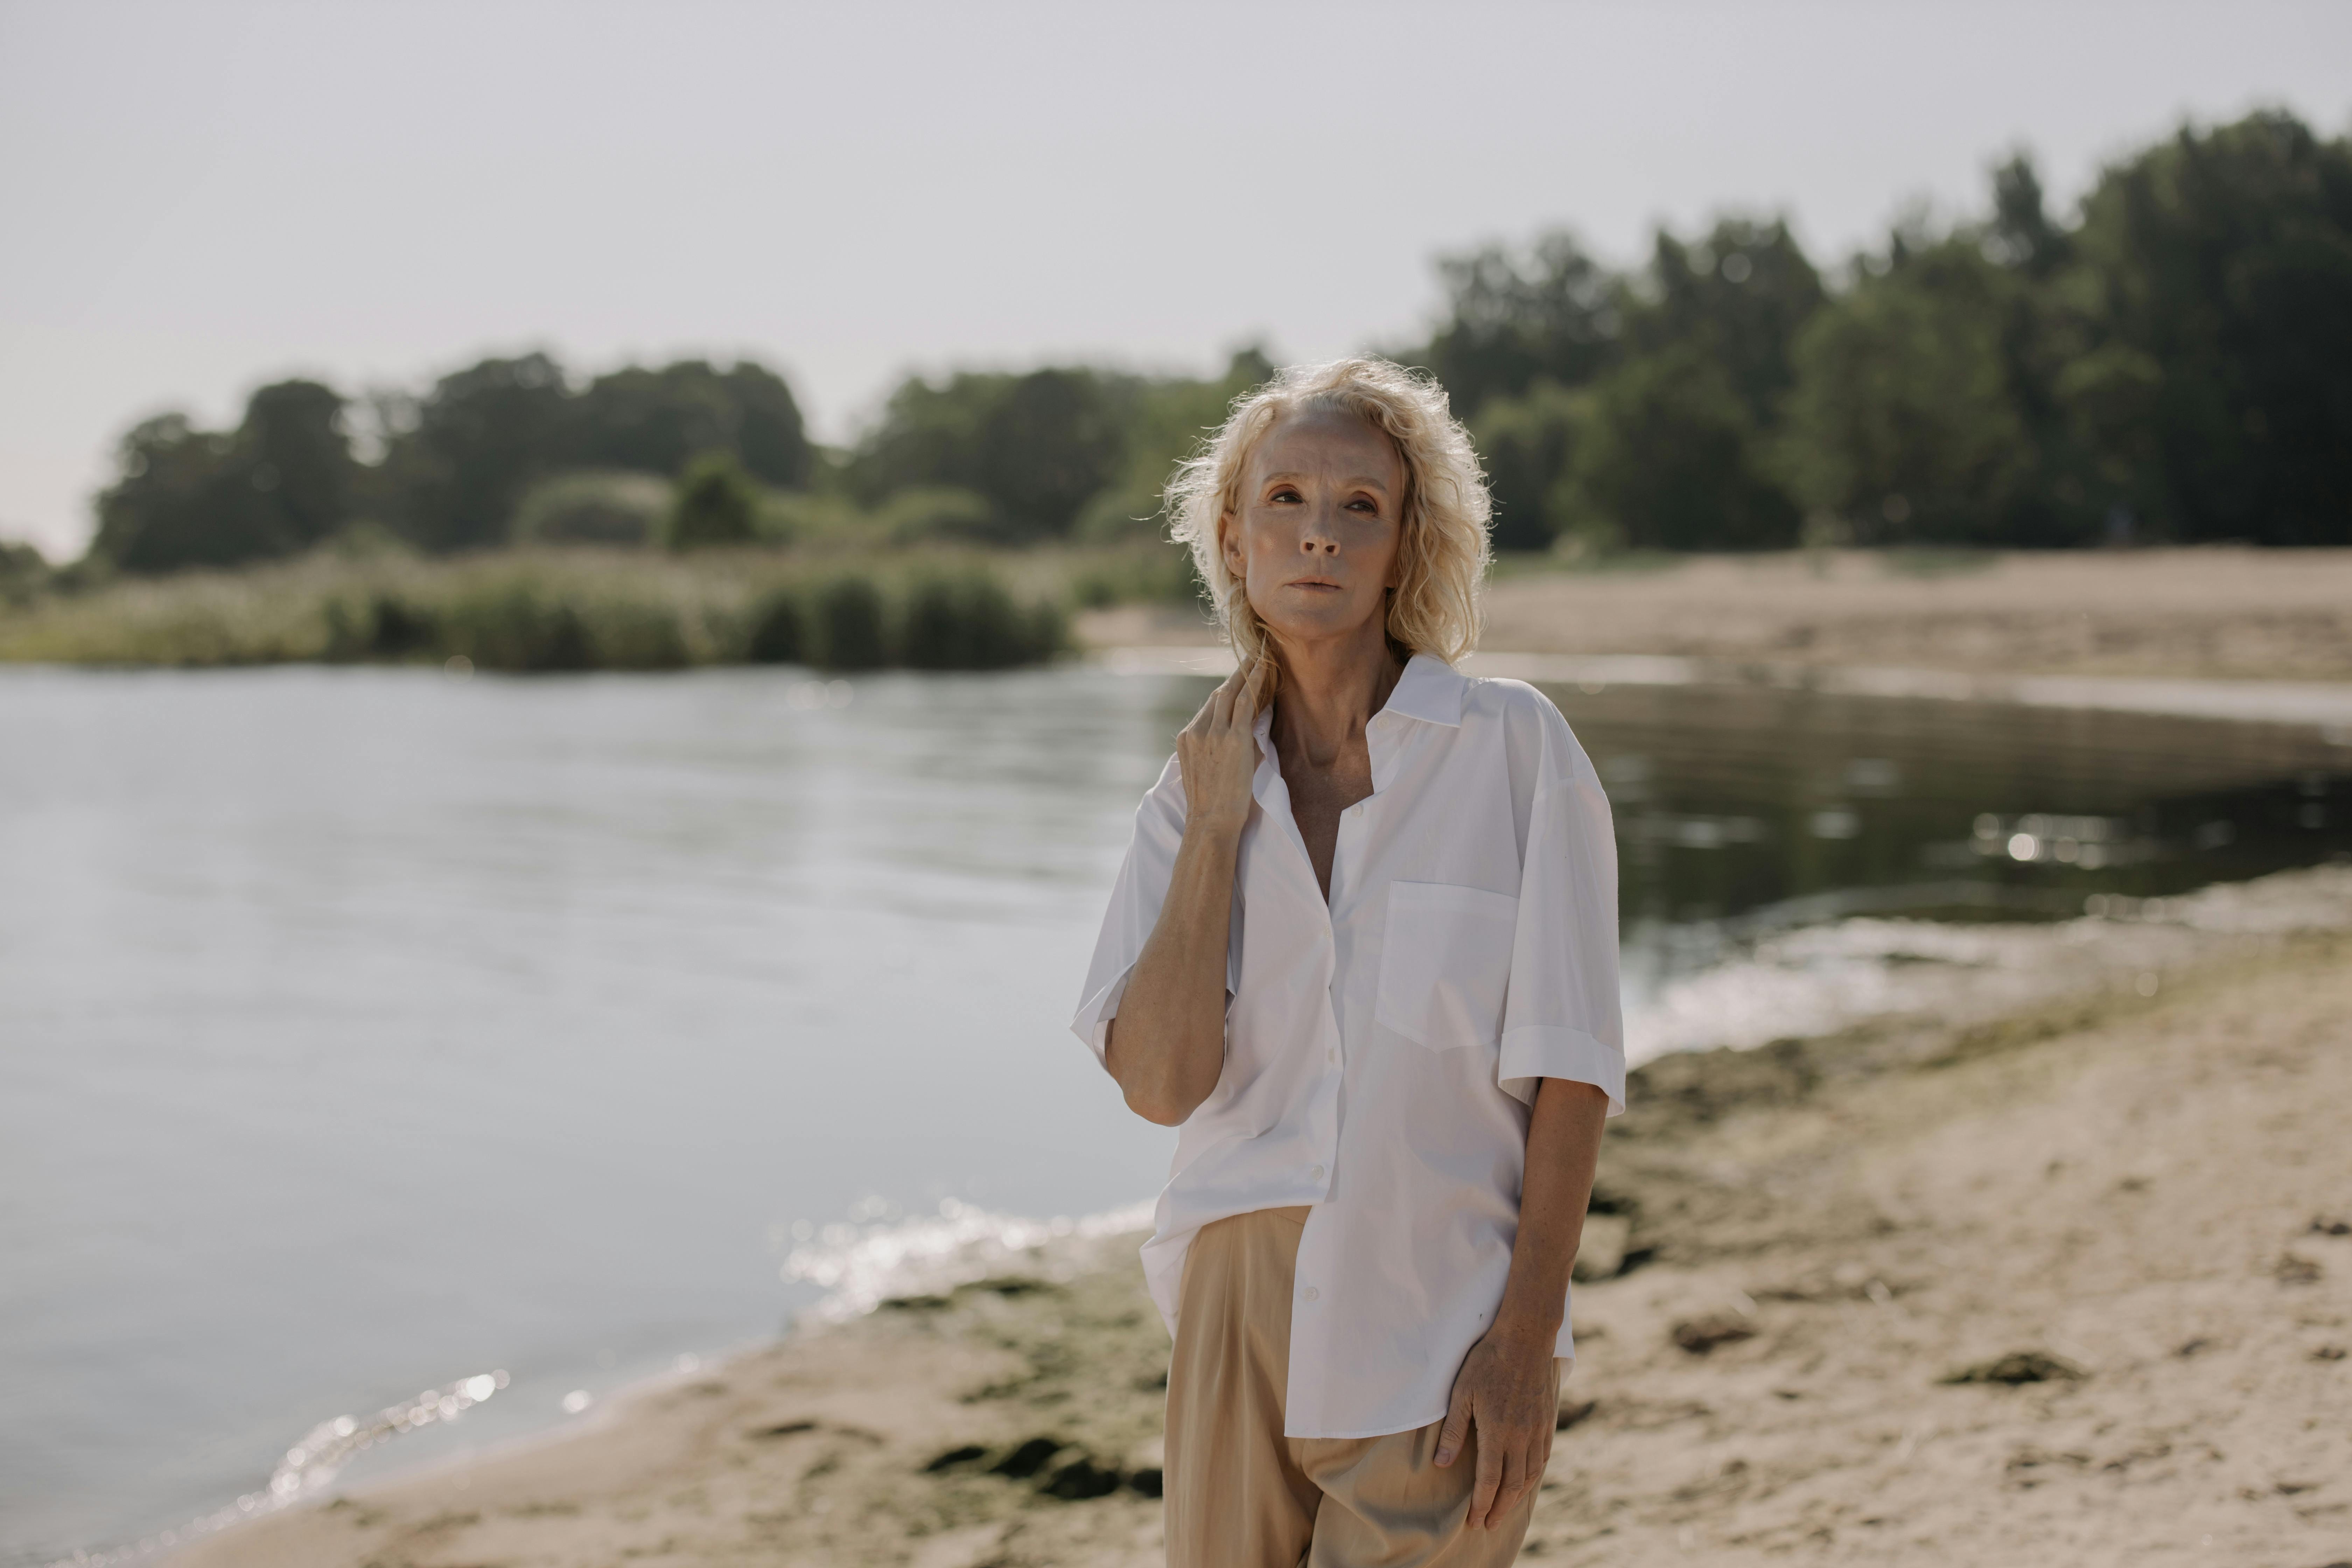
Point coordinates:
pixel 1308 1294
pixel 1317 1173
pixel 1331 1056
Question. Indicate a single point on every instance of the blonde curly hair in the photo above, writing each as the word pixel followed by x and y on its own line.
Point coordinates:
pixel 1442 549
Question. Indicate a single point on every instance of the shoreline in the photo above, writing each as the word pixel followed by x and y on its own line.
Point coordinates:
pixel 1821 1233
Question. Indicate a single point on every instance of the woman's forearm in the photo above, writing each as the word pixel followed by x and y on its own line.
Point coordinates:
pixel 1167 1045
pixel 1563 1149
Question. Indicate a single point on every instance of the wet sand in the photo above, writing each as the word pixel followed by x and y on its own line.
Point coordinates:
pixel 2126 1219
pixel 2215 614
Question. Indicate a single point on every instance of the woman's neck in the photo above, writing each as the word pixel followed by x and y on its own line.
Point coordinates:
pixel 1330 690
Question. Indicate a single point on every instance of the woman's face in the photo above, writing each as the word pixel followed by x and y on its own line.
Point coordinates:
pixel 1315 540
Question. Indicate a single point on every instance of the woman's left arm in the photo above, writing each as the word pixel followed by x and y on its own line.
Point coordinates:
pixel 1505 1385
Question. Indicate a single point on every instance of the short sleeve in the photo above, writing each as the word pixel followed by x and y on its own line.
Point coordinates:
pixel 1135 903
pixel 1562 1018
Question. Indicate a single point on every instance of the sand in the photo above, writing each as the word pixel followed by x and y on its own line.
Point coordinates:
pixel 2146 1202
pixel 2218 613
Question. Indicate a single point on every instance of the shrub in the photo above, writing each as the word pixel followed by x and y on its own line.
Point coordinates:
pixel 511 626
pixel 1154 573
pixel 779 631
pixel 916 516
pixel 846 630
pixel 549 610
pixel 969 622
pixel 383 626
pixel 23 571
pixel 637 634
pixel 716 504
pixel 798 517
pixel 593 506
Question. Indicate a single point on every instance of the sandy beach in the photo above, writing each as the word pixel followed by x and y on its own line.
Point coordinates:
pixel 2213 613
pixel 2070 1284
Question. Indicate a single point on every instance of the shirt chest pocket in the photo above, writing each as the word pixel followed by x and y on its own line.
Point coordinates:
pixel 1445 964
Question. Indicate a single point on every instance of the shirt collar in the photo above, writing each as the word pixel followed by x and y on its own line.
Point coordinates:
pixel 1430 689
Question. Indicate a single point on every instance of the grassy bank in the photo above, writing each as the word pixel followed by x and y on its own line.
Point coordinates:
pixel 2213 613
pixel 568 608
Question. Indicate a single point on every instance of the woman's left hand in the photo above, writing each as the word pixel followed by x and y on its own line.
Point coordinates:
pixel 1506 1389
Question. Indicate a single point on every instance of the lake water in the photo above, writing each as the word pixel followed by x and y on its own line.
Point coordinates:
pixel 362 1030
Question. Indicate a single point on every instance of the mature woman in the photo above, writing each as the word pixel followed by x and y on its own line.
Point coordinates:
pixel 1363 953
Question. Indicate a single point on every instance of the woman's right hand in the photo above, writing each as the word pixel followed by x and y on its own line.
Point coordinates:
pixel 1218 756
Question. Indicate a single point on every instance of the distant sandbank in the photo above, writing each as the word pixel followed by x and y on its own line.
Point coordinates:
pixel 2207 614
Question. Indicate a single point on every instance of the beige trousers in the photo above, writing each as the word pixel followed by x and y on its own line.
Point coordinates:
pixel 1241 1495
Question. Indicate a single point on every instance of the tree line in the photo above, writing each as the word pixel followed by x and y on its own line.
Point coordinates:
pixel 2172 362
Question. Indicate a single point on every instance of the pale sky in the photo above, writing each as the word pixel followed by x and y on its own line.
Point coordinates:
pixel 199 198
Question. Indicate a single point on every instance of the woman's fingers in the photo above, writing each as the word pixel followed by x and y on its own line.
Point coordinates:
pixel 1485 1499
pixel 1221 702
pixel 1513 1467
pixel 1252 693
pixel 1457 1426
pixel 1219 755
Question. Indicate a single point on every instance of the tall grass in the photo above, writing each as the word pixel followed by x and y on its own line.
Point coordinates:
pixel 552 609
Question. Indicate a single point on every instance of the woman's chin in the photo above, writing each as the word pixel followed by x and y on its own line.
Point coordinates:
pixel 1312 622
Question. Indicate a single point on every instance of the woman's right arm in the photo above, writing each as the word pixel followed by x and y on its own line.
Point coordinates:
pixel 1167 1045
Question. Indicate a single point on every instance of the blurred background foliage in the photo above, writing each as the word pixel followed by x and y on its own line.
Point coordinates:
pixel 561 608
pixel 2171 362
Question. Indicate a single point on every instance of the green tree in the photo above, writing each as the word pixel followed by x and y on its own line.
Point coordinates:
pixel 1902 422
pixel 451 478
pixel 2024 235
pixel 1927 407
pixel 1036 446
pixel 1513 318
pixel 23 571
pixel 1740 296
pixel 655 420
pixel 158 513
pixel 1167 420
pixel 296 456
pixel 770 434
pixel 1734 299
pixel 716 504
pixel 183 497
pixel 2217 269
pixel 1527 444
pixel 1669 461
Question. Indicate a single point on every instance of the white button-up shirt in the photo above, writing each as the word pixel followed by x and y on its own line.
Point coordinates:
pixel 1382 1050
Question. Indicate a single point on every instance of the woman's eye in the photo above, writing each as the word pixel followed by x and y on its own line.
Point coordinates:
pixel 1286 493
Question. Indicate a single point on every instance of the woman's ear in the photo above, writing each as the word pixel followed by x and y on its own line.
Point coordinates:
pixel 1229 546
